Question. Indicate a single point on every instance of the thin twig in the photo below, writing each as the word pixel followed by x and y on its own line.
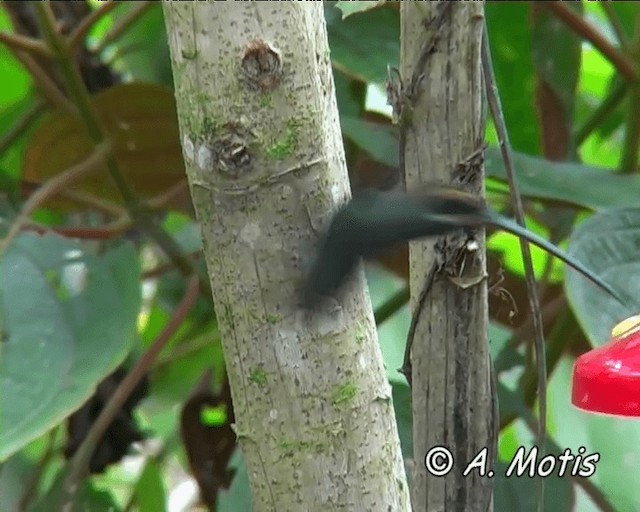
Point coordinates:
pixel 43 81
pixel 17 42
pixel 79 464
pixel 407 366
pixel 165 197
pixel 79 33
pixel 617 27
pixel 162 268
pixel 123 24
pixel 392 305
pixel 549 310
pixel 52 187
pixel 495 106
pixel 598 116
pixel 597 496
pixel 104 232
pixel 96 203
pixel 30 489
pixel 182 349
pixel 20 125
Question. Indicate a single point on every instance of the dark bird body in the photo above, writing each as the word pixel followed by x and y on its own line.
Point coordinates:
pixel 374 221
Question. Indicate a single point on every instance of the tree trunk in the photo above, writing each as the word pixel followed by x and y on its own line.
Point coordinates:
pixel 265 163
pixel 453 400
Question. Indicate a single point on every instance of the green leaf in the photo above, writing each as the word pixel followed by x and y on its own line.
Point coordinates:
pixel 627 14
pixel 149 492
pixel 349 8
pixel 350 95
pixel 238 496
pixel 585 186
pixel 508 246
pixel 520 493
pixel 509 30
pixel 608 244
pixel 379 140
pixel 392 334
pixel 175 374
pixel 142 51
pixel 13 475
pixel 404 418
pixel 86 498
pixel 352 48
pixel 582 185
pixel 68 319
pixel 556 55
pixel 505 357
pixel 15 79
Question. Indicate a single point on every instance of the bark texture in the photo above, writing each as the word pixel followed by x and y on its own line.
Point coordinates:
pixel 265 163
pixel 452 394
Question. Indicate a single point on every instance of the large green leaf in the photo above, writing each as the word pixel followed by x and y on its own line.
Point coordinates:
pixel 392 334
pixel 355 52
pixel 582 185
pixel 86 498
pixel 149 492
pixel 379 140
pixel 509 30
pixel 556 56
pixel 401 393
pixel 142 51
pixel 520 492
pixel 351 8
pixel 13 473
pixel 68 319
pixel 608 244
pixel 238 496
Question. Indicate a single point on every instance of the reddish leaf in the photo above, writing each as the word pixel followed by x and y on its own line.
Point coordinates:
pixel 139 119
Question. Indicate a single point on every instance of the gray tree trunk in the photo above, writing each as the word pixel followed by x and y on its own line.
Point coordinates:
pixel 265 164
pixel 453 400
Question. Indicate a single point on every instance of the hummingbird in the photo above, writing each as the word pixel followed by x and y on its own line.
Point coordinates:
pixel 375 220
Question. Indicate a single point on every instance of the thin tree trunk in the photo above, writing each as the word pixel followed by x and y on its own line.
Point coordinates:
pixel 265 163
pixel 453 400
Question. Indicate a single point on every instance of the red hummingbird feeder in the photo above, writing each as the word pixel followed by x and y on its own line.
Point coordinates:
pixel 606 380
